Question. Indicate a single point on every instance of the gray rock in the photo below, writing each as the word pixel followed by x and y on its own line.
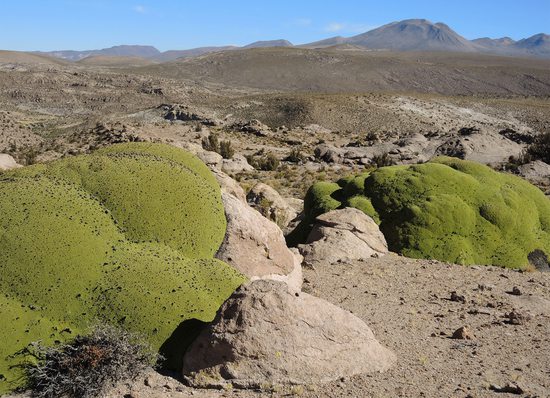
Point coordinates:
pixel 256 246
pixel 257 128
pixel 328 154
pixel 7 162
pixel 229 185
pixel 237 164
pixel 343 235
pixel 535 171
pixel 265 335
pixel 271 205
pixel 211 159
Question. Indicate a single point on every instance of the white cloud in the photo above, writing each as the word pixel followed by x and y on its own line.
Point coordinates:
pixel 140 9
pixel 334 27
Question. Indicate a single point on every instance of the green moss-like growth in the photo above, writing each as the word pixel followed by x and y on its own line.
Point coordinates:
pixel 125 236
pixel 323 197
pixel 448 209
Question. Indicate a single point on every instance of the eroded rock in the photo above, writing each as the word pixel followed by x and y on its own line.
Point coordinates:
pixel 264 334
pixel 256 246
pixel 7 162
pixel 270 204
pixel 343 235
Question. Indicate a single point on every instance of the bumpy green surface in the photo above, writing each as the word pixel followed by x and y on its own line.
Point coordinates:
pixel 126 235
pixel 448 209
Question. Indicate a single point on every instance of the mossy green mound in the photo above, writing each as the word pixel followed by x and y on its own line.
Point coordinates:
pixel 125 235
pixel 448 209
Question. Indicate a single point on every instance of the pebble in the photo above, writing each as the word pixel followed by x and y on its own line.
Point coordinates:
pixel 509 388
pixel 463 333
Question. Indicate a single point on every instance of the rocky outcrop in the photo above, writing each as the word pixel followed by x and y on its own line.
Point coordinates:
pixel 328 154
pixel 211 159
pixel 256 246
pixel 266 336
pixel 254 127
pixel 343 235
pixel 535 171
pixel 229 185
pixel 271 205
pixel 487 147
pixel 237 164
pixel 185 114
pixel 7 162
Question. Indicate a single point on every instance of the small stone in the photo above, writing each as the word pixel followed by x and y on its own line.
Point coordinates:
pixel 482 287
pixel 515 291
pixel 457 298
pixel 509 388
pixel 516 318
pixel 463 333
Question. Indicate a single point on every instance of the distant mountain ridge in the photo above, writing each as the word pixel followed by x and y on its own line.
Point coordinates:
pixel 406 35
pixel 413 34
pixel 270 43
pixel 116 51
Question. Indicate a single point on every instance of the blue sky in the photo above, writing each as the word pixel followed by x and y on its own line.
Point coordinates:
pixel 172 24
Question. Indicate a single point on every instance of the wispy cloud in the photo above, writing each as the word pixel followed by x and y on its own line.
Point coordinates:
pixel 140 9
pixel 335 27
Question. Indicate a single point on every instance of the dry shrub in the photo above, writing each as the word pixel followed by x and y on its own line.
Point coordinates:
pixel 88 365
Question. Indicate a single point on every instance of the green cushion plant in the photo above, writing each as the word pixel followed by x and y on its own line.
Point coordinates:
pixel 447 209
pixel 125 236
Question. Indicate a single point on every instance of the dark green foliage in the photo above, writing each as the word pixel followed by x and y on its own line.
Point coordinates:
pixel 540 148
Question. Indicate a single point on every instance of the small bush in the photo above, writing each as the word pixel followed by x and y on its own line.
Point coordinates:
pixel 295 156
pixel 382 160
pixel 211 143
pixel 372 136
pixel 89 364
pixel 540 148
pixel 268 162
pixel 226 150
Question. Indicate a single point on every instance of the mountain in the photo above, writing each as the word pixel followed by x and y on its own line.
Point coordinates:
pixel 413 35
pixel 116 51
pixel 332 41
pixel 494 43
pixel 537 44
pixel 270 43
pixel 172 55
pixel 423 35
pixel 407 35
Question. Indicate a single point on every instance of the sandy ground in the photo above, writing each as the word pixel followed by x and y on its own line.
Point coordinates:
pixel 408 305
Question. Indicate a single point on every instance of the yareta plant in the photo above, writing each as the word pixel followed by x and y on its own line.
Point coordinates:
pixel 447 209
pixel 124 236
